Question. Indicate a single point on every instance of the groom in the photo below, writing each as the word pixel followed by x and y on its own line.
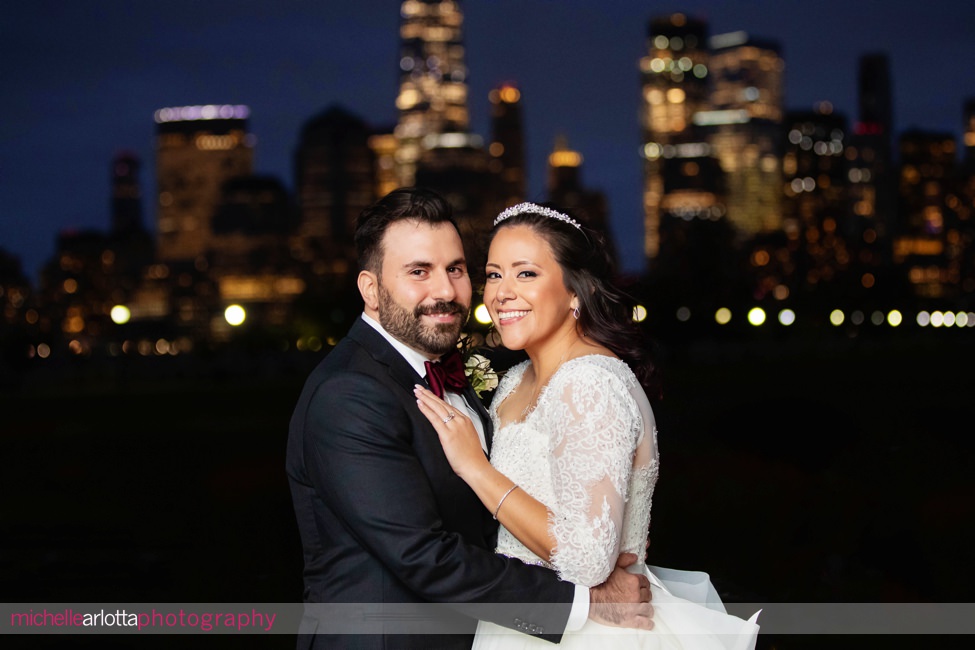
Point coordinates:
pixel 382 517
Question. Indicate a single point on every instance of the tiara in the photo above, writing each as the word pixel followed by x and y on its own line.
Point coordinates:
pixel 534 208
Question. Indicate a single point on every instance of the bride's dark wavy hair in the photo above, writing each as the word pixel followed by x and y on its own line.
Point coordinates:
pixel 588 271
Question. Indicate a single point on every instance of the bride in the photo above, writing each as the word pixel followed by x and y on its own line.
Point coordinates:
pixel 574 457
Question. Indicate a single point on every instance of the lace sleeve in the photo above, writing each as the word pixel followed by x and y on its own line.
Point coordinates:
pixel 596 426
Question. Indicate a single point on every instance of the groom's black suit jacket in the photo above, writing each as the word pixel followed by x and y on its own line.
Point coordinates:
pixel 384 519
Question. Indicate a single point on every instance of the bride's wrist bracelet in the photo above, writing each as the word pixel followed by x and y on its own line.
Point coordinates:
pixel 498 509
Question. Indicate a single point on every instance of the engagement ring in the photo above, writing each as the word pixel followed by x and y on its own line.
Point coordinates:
pixel 450 416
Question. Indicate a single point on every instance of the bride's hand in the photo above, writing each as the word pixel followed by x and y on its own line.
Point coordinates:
pixel 459 438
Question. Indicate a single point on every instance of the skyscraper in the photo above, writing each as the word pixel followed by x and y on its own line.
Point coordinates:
pixel 926 243
pixel 871 177
pixel 744 128
pixel 130 247
pixel 927 165
pixel 565 189
pixel 383 144
pixel 564 172
pixel 815 206
pixel 432 99
pixel 508 141
pixel 250 257
pixel 435 147
pixel 875 101
pixel 675 87
pixel 251 226
pixel 335 176
pixel 92 270
pixel 126 195
pixel 871 174
pixel 747 74
pixel 197 149
pixel 565 186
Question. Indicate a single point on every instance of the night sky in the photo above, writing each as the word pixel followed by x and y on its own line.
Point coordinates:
pixel 81 81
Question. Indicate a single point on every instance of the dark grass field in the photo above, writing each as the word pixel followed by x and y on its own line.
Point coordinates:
pixel 792 472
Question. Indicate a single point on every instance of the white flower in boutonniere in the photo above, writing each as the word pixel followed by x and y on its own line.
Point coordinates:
pixel 479 372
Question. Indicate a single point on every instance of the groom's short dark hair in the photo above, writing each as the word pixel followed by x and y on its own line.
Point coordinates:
pixel 421 204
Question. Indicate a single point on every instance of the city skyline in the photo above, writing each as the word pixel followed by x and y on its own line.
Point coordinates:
pixel 75 106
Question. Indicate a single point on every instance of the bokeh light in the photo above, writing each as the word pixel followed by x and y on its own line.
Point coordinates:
pixel 120 314
pixel 481 314
pixel 756 316
pixel 235 315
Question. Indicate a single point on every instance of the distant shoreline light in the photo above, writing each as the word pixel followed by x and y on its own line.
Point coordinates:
pixel 202 112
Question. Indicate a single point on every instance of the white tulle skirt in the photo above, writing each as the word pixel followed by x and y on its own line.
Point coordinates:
pixel 687 615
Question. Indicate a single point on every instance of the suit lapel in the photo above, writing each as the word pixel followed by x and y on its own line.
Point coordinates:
pixel 478 407
pixel 384 353
pixel 404 374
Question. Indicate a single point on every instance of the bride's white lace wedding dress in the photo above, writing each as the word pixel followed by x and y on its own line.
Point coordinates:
pixel 588 451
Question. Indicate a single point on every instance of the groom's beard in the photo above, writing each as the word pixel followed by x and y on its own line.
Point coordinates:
pixel 407 326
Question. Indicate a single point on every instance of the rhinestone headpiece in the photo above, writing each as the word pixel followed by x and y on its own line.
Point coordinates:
pixel 534 208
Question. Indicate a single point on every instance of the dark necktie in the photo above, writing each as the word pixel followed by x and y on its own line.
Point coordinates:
pixel 446 375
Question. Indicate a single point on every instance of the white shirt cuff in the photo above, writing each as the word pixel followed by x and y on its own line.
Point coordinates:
pixel 580 609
